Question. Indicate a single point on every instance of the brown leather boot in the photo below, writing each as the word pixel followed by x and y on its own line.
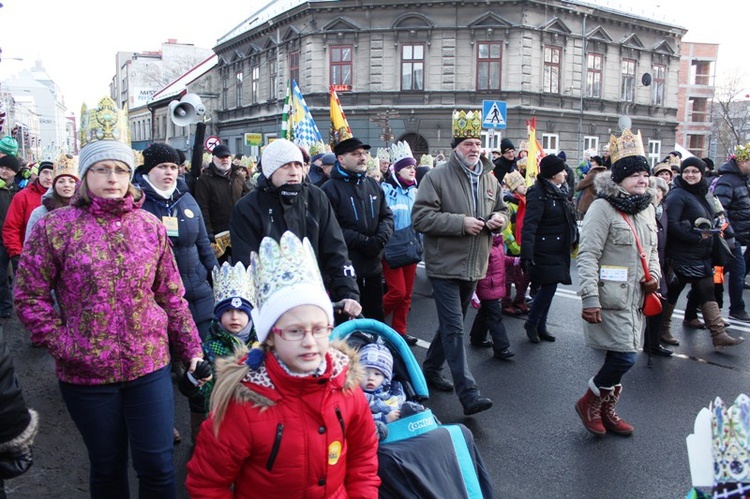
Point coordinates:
pixel 719 336
pixel 588 408
pixel 666 324
pixel 694 323
pixel 611 421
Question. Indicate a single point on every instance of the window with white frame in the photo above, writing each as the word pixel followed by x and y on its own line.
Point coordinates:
pixel 654 152
pixel 552 69
pixel 491 140
pixel 412 66
pixel 550 143
pixel 255 83
pixel 594 64
pixel 273 78
pixel 658 84
pixel 238 77
pixel 590 142
pixel 627 92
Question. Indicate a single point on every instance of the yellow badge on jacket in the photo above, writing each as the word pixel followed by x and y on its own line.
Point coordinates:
pixel 334 452
pixel 172 225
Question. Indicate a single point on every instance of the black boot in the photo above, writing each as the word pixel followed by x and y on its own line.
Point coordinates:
pixel 544 334
pixel 531 332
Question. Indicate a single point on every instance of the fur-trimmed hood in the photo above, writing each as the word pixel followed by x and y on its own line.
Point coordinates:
pixel 607 188
pixel 343 371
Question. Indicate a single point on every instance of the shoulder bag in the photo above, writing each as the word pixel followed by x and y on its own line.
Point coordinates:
pixel 403 248
pixel 651 301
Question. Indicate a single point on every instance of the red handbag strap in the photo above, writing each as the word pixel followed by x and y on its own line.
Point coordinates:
pixel 641 253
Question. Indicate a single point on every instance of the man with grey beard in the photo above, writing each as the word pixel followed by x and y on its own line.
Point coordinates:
pixel 458 206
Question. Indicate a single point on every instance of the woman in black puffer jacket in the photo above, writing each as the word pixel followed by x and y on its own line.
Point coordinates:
pixel 168 198
pixel 549 232
pixel 690 250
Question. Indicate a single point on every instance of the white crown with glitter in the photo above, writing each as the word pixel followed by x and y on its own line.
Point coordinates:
pixel 400 150
pixel 385 155
pixel 233 282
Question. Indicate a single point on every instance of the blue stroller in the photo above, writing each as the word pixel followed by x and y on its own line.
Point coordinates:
pixel 420 458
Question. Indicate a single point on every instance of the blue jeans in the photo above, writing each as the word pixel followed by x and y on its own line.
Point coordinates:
pixel 736 281
pixel 452 298
pixel 139 413
pixel 616 364
pixel 540 307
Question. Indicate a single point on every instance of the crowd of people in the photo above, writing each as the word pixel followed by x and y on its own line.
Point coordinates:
pixel 117 272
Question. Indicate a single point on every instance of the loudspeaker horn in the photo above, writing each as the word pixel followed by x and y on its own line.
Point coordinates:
pixel 187 110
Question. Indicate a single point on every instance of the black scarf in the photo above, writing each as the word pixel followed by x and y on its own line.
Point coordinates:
pixel 699 189
pixel 630 203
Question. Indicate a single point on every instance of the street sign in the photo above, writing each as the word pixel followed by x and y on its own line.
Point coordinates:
pixel 211 142
pixel 253 139
pixel 494 114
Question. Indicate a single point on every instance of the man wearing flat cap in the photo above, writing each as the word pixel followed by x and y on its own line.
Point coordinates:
pixel 365 219
pixel 458 207
pixel 217 190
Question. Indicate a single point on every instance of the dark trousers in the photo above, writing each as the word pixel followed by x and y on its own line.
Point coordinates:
pixel 6 302
pixel 452 298
pixel 490 318
pixel 652 335
pixel 616 364
pixel 703 289
pixel 540 307
pixel 138 414
pixel 371 296
pixel 736 280
pixel 691 308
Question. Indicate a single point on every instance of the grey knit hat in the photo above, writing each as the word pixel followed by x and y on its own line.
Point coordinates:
pixel 101 150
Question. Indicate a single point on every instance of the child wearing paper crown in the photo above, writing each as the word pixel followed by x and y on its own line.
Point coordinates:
pixel 288 419
pixel 515 198
pixel 231 329
pixel 384 395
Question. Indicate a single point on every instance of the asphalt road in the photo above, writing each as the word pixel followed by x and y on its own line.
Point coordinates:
pixel 531 440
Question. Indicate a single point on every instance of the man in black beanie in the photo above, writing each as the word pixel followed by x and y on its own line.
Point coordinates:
pixel 506 162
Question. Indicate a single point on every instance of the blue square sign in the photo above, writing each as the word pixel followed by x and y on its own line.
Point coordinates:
pixel 494 114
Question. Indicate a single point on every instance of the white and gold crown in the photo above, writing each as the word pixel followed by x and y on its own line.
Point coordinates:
pixel 233 283
pixel 385 155
pixel 730 429
pixel 105 122
pixel 66 164
pixel 467 124
pixel 426 160
pixel 372 163
pixel 627 144
pixel 285 275
pixel 400 150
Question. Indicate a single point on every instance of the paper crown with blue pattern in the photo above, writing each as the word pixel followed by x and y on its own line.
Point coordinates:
pixel 285 275
pixel 730 430
pixel 233 288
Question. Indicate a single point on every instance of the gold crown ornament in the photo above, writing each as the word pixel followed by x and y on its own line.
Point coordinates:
pixel 742 153
pixel 467 125
pixel 385 155
pixel 372 163
pixel 104 122
pixel 399 151
pixel 66 164
pixel 628 144
pixel 285 275
pixel 523 146
pixel 138 155
pixel 233 282
pixel 426 160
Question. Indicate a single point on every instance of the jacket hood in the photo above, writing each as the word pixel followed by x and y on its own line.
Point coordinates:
pixel 730 167
pixel 258 388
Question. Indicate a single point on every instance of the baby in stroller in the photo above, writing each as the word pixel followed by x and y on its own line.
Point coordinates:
pixel 384 395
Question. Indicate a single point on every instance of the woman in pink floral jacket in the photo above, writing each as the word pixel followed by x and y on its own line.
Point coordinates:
pixel 120 307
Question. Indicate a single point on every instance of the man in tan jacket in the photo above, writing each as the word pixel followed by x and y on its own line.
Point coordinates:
pixel 457 207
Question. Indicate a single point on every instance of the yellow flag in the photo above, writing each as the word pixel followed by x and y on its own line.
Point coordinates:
pixel 339 126
pixel 536 153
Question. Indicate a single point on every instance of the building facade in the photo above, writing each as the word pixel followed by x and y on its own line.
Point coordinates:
pixel 695 97
pixel 401 69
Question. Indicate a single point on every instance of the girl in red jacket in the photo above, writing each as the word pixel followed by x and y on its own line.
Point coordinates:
pixel 288 419
pixel 489 292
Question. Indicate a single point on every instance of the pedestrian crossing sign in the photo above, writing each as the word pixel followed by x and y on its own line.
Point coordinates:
pixel 495 113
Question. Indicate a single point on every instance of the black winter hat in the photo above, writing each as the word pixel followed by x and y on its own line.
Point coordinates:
pixel 625 167
pixel 156 154
pixel 505 145
pixel 10 162
pixel 46 165
pixel 349 145
pixel 694 161
pixel 550 166
pixel 709 164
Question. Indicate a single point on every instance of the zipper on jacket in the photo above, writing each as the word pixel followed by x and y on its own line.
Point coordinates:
pixel 354 209
pixel 270 214
pixel 372 206
pixel 276 445
pixel 341 421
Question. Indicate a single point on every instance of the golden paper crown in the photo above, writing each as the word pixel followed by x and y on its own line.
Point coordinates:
pixel 399 151
pixel 66 164
pixel 523 146
pixel 105 122
pixel 317 148
pixel 138 155
pixel 742 153
pixel 626 145
pixel 385 155
pixel 426 160
pixel 467 125
pixel 372 163
pixel 233 282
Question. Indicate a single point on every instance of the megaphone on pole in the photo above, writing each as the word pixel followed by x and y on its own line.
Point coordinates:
pixel 187 110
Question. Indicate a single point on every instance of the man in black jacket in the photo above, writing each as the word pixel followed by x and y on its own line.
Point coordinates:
pixel 506 162
pixel 281 202
pixel 732 190
pixel 365 219
pixel 217 190
pixel 9 166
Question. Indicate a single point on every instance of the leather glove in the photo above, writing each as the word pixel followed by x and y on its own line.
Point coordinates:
pixel 592 315
pixel 650 286
pixel 211 237
pixel 526 264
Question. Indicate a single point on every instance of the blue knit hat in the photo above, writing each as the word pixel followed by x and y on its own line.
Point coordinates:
pixel 377 356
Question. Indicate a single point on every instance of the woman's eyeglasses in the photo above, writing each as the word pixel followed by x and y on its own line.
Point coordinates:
pixel 106 172
pixel 297 333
